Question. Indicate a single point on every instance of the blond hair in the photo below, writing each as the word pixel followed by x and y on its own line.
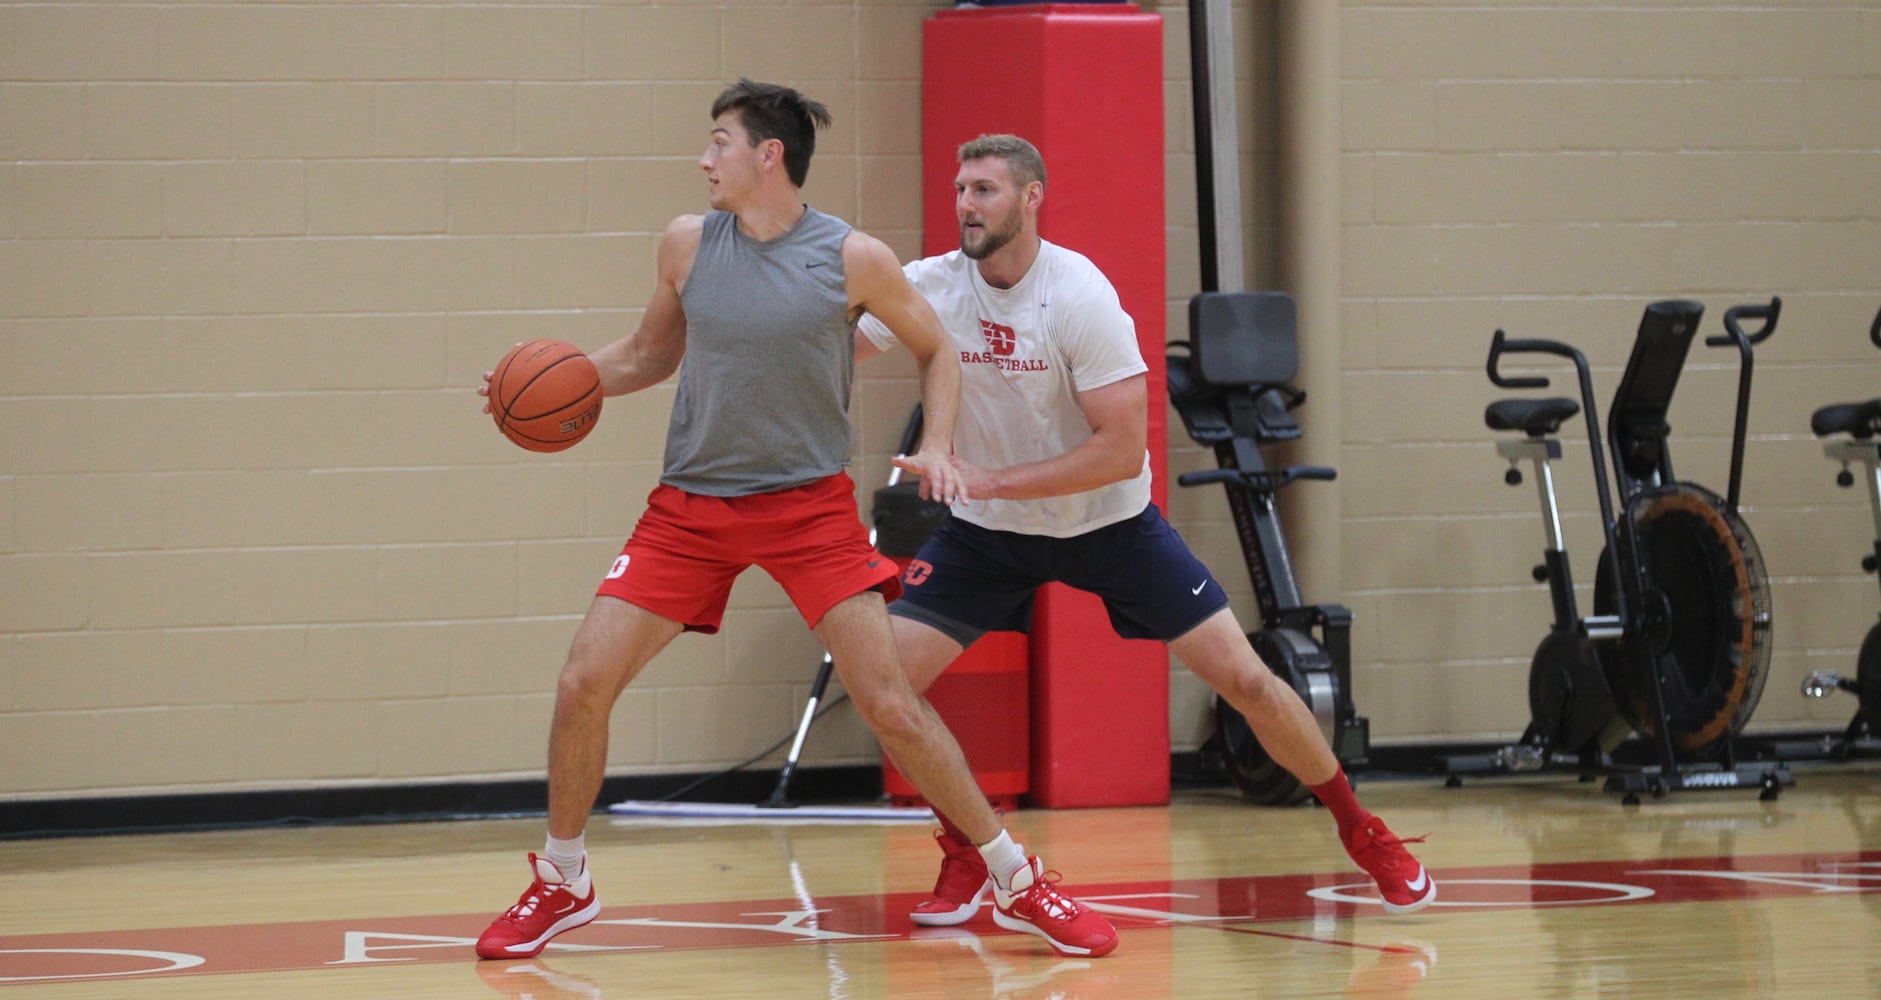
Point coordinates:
pixel 1021 156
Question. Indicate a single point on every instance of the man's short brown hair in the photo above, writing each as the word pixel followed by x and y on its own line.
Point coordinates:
pixel 770 111
pixel 1021 156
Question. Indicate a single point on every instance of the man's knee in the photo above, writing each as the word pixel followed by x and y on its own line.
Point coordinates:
pixel 590 681
pixel 584 687
pixel 1258 691
pixel 893 719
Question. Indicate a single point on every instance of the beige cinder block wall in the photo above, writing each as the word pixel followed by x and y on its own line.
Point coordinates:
pixel 253 257
pixel 1551 171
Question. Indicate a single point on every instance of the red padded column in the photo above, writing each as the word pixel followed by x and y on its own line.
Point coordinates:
pixel 1083 82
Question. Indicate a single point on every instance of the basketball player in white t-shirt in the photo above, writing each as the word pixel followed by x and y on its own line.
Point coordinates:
pixel 1050 443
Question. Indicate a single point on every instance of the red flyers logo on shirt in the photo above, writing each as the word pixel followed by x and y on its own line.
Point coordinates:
pixel 999 338
pixel 1001 342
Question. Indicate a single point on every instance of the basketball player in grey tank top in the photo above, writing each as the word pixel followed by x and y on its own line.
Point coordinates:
pixel 760 298
pixel 763 399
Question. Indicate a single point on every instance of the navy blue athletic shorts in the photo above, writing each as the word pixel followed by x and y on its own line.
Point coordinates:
pixel 968 580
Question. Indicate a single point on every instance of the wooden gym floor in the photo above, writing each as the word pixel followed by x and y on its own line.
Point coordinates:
pixel 1548 888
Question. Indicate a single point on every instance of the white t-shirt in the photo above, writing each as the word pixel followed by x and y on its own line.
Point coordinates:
pixel 1025 353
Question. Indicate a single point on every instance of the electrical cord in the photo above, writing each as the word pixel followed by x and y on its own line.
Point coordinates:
pixel 766 752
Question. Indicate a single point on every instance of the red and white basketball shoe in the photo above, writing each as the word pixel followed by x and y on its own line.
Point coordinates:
pixel 1402 881
pixel 553 903
pixel 1034 905
pixel 962 885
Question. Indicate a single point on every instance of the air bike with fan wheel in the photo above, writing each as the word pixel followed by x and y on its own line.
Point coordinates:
pixel 1854 427
pixel 1678 647
pixel 1229 383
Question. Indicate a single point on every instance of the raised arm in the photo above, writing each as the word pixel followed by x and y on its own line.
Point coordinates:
pixel 652 352
pixel 877 286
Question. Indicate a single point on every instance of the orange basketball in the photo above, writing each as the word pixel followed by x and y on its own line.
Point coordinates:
pixel 545 395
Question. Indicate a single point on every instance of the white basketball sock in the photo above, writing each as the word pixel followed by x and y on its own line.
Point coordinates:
pixel 569 856
pixel 1003 858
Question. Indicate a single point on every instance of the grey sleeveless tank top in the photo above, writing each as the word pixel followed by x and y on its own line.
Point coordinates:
pixel 763 401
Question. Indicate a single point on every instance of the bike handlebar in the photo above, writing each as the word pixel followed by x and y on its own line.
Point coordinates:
pixel 1767 313
pixel 1501 344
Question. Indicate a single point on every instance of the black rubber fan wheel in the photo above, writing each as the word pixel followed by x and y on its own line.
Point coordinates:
pixel 1704 571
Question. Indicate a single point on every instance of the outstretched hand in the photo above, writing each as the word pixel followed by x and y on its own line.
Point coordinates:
pixel 940 480
pixel 973 479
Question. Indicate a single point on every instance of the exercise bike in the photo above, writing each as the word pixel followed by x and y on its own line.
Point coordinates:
pixel 1229 383
pixel 1860 422
pixel 1678 647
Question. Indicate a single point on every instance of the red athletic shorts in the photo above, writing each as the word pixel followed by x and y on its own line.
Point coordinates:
pixel 688 548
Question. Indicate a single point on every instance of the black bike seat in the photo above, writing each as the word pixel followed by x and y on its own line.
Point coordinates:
pixel 1858 420
pixel 1533 417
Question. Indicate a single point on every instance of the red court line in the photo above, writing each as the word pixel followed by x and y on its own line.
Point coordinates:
pixel 1213 902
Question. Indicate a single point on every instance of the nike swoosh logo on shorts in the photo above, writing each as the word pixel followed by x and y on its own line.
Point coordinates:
pixel 1197 589
pixel 1417 884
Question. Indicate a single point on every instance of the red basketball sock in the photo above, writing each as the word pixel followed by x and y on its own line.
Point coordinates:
pixel 1336 795
pixel 948 827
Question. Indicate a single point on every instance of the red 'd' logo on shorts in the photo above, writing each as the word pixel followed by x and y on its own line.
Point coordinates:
pixel 999 339
pixel 917 573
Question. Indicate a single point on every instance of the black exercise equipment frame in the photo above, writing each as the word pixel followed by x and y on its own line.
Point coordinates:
pixel 1230 385
pixel 1576 665
pixel 1859 423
